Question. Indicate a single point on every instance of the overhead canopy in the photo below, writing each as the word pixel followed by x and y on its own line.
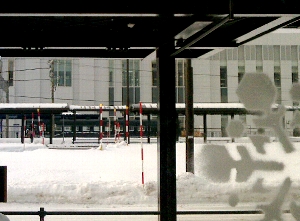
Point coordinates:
pixel 131 29
pixel 206 108
pixel 28 108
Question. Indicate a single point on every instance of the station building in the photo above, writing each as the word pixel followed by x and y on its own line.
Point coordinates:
pixel 216 76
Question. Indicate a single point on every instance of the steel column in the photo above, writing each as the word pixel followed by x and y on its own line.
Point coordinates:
pixel 167 126
pixel 3 184
pixel 74 127
pixel 204 128
pixel 189 117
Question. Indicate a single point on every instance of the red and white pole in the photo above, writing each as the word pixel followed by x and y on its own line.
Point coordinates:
pixel 101 125
pixel 127 126
pixel 141 136
pixel 43 133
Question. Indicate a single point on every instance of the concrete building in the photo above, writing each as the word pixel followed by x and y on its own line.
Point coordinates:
pixel 91 81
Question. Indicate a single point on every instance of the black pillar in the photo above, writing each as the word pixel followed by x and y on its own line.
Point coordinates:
pixel 204 128
pixel 3 184
pixel 74 127
pixel 167 126
pixel 232 118
pixel 22 128
pixel 51 132
pixel 189 117
pixel 148 128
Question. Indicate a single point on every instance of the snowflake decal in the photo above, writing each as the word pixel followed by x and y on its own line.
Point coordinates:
pixel 257 92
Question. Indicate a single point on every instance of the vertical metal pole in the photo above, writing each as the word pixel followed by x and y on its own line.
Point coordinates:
pixel 3 184
pixel 63 128
pixel 128 99
pixel 167 126
pixel 141 139
pixel 74 127
pixel 100 127
pixel 148 128
pixel 23 129
pixel 205 128
pixel 7 101
pixel 115 124
pixel 232 118
pixel 39 122
pixel 42 214
pixel 51 129
pixel 189 117
pixel 127 125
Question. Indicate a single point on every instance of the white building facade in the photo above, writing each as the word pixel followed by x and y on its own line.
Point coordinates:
pixel 94 81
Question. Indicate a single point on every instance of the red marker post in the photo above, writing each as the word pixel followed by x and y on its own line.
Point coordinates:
pixel 127 126
pixel 101 125
pixel 141 137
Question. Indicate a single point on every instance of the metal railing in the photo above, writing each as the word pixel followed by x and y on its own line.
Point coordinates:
pixel 42 213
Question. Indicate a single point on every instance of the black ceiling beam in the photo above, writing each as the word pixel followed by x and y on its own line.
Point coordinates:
pixel 198 36
pixel 134 6
pixel 100 53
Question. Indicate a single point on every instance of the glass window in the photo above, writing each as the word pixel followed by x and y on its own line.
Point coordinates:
pixel 277 82
pixel 224 95
pixel 111 72
pixel 241 72
pixel 134 80
pixel 277 77
pixel 154 73
pixel 63 73
pixel 154 95
pixel 10 72
pixel 111 95
pixel 180 73
pixel 68 73
pixel 223 76
pixel 295 76
pixel 181 95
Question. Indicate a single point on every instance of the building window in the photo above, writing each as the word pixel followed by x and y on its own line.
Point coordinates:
pixel 241 72
pixel 63 73
pixel 180 73
pixel 10 73
pixel 295 77
pixel 133 73
pixel 154 82
pixel 223 84
pixel 111 72
pixel 277 82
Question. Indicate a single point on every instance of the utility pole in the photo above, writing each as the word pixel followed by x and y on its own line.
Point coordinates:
pixel 189 117
pixel 52 79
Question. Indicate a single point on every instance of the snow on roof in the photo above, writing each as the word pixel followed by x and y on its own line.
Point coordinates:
pixel 33 105
pixel 95 108
pixel 198 105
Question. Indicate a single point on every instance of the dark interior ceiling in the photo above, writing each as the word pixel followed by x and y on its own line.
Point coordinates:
pixel 134 29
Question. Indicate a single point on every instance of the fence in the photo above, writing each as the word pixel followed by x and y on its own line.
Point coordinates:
pixel 42 213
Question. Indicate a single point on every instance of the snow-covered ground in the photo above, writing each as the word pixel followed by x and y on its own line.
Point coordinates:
pixel 69 178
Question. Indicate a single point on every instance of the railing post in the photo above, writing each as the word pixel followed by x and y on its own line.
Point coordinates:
pixel 3 184
pixel 42 214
